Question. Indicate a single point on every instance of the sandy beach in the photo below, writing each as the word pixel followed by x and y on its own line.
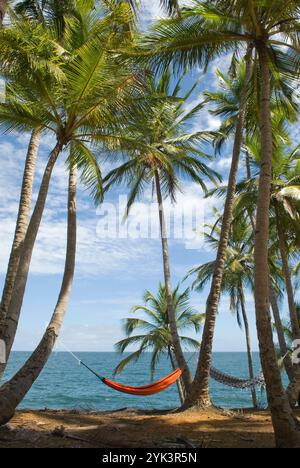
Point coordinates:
pixel 132 429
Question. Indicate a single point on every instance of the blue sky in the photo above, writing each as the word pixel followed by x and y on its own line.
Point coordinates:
pixel 111 274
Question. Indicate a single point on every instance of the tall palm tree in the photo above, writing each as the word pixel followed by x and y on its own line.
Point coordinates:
pixel 245 204
pixel 13 391
pixel 285 211
pixel 226 102
pixel 284 196
pixel 15 64
pixel 238 275
pixel 17 67
pixel 96 94
pixel 153 331
pixel 200 389
pixel 209 29
pixel 162 153
pixel 81 157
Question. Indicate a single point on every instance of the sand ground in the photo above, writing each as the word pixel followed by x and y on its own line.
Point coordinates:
pixel 131 429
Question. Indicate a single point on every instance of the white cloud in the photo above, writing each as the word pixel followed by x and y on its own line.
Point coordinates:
pixel 89 338
pixel 95 256
pixel 204 121
pixel 150 10
pixel 223 163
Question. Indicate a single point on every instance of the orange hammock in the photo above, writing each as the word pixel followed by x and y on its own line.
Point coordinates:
pixel 146 390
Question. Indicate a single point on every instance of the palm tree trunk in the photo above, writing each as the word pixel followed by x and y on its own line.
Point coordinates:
pixel 3 6
pixel 186 375
pixel 248 344
pixel 13 392
pixel 287 275
pixel 249 175
pixel 293 390
pixel 22 222
pixel 280 334
pixel 178 382
pixel 248 166
pixel 8 332
pixel 199 392
pixel 284 423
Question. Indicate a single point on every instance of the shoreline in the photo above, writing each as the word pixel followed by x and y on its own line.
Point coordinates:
pixel 129 428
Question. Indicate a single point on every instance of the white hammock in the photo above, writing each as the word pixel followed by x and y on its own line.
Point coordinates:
pixel 233 382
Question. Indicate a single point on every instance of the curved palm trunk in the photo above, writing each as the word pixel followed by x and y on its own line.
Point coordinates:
pixel 8 333
pixel 22 223
pixel 13 392
pixel 186 376
pixel 284 423
pixel 3 6
pixel 248 344
pixel 178 382
pixel 280 334
pixel 199 392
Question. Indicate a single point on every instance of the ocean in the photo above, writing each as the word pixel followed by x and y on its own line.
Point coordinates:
pixel 64 384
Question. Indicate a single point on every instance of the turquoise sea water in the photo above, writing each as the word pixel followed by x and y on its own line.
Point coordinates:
pixel 65 384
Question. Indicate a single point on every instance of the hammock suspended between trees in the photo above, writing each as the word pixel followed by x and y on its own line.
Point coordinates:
pixel 233 382
pixel 166 382
pixel 146 390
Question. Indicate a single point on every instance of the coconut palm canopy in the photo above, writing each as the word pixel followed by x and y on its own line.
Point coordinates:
pixel 196 109
pixel 150 329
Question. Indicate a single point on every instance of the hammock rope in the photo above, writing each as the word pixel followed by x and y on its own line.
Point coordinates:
pixel 166 382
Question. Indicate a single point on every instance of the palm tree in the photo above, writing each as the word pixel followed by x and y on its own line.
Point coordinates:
pixel 22 223
pixel 204 31
pixel 292 372
pixel 13 391
pixel 3 6
pixel 245 204
pixel 81 157
pixel 238 275
pixel 284 196
pixel 19 66
pixel 51 14
pixel 153 331
pixel 15 64
pixel 226 101
pixel 97 94
pixel 280 331
pixel 162 153
pixel 287 327
pixel 200 390
pixel 285 212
